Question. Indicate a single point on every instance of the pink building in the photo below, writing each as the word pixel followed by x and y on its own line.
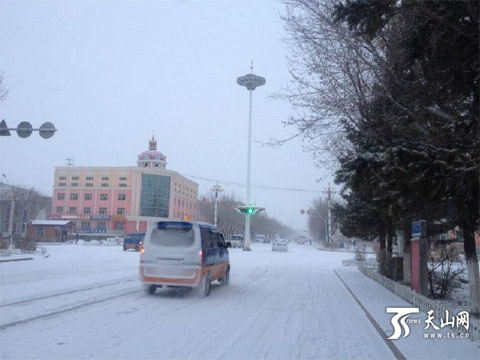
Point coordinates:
pixel 114 201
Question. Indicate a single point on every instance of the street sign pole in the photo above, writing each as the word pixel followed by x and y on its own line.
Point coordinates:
pixel 419 257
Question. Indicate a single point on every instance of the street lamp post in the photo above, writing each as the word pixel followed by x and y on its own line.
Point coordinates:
pixel 216 189
pixel 251 82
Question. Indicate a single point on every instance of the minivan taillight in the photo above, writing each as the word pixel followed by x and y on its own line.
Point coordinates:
pixel 202 256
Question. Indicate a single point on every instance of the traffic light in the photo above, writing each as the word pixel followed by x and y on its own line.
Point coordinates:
pixel 25 129
pixel 249 210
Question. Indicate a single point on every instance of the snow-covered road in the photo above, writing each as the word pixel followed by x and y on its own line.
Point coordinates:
pixel 86 302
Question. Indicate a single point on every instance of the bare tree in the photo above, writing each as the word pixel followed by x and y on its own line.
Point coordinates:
pixel 332 73
pixel 317 219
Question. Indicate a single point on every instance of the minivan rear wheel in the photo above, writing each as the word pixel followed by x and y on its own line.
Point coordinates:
pixel 225 280
pixel 151 289
pixel 208 285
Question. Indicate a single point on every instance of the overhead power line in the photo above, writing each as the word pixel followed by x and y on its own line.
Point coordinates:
pixel 261 187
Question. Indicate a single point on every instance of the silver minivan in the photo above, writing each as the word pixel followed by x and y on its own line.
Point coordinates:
pixel 183 254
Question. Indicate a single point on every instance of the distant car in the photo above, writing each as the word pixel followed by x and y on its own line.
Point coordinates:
pixel 280 245
pixel 260 238
pixel 236 241
pixel 133 241
pixel 301 240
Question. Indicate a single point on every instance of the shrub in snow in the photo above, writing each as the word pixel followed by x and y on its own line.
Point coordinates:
pixel 360 252
pixel 445 267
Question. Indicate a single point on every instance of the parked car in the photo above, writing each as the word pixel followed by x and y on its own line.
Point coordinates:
pixel 280 245
pixel 133 241
pixel 184 254
pixel 236 241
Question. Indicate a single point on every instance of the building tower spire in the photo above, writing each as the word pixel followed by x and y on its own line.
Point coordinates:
pixel 152 144
pixel 152 158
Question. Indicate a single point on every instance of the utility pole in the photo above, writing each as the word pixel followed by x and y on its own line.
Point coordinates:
pixel 216 189
pixel 329 191
pixel 11 215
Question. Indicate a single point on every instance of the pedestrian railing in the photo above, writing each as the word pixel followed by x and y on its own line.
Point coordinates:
pixel 9 252
pixel 422 302
pixel 368 263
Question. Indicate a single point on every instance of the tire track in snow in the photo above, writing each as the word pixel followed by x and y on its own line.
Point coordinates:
pixel 58 312
pixel 64 293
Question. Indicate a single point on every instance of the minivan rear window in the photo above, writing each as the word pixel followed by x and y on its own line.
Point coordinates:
pixel 173 234
pixel 134 237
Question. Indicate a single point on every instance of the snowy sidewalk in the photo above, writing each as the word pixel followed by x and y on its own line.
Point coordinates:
pixel 375 299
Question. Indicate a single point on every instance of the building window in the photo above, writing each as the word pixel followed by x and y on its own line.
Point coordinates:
pixel 104 185
pixel 62 178
pixel 105 178
pixel 89 178
pixel 72 209
pixel 121 211
pixel 61 196
pixel 87 210
pixel 103 196
pixel 73 196
pixel 62 184
pixel 86 225
pixel 155 195
pixel 101 225
pixel 76 178
pixel 74 184
pixel 102 211
pixel 40 233
pixel 89 185
pixel 88 197
pixel 59 209
pixel 122 185
pixel 122 178
pixel 122 197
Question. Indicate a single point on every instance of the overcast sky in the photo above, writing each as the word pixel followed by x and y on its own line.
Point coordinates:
pixel 109 74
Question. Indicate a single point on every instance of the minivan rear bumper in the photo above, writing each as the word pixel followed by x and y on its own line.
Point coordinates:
pixel 171 275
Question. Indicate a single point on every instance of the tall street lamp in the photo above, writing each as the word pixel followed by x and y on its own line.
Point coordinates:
pixel 251 82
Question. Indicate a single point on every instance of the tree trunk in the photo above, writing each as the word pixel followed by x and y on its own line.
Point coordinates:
pixel 389 240
pixel 382 253
pixel 472 267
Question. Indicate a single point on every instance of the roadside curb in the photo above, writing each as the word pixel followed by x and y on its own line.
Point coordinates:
pixel 396 352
